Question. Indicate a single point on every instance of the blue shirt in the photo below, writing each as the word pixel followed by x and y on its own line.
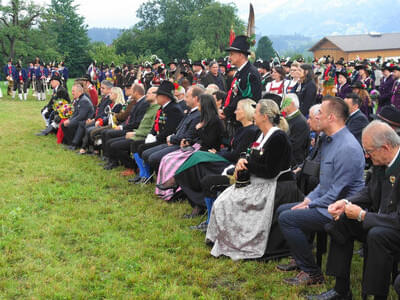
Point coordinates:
pixel 341 171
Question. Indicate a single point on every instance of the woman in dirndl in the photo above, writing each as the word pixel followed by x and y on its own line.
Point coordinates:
pixel 243 214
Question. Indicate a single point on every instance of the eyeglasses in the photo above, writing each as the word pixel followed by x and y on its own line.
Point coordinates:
pixel 369 152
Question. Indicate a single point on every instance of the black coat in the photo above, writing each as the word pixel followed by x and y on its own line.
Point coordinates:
pixel 356 124
pixel 274 157
pixel 136 115
pixel 385 89
pixel 381 197
pixel 241 141
pixel 169 119
pixel 218 80
pixel 61 93
pixel 211 135
pixel 83 110
pixel 101 107
pixel 299 137
pixel 186 128
pixel 247 77
pixel 307 96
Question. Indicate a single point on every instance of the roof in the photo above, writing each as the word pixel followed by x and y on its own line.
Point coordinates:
pixel 363 42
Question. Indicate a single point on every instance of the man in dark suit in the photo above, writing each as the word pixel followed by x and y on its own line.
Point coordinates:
pixel 75 126
pixel 245 84
pixel 59 93
pixel 121 133
pixel 299 131
pixel 214 76
pixel 356 120
pixel 371 216
pixel 185 131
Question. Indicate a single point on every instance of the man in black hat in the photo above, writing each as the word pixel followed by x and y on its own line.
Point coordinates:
pixel 59 93
pixel 385 88
pixel 390 115
pixel 246 83
pixel 94 96
pixel 166 123
pixel 20 78
pixel 199 73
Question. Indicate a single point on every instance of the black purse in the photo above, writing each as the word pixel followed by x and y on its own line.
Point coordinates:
pixel 311 168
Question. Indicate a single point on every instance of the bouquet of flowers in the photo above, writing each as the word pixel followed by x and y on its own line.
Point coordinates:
pixel 63 108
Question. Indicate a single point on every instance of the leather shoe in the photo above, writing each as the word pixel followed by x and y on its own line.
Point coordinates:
pixel 144 180
pixel 163 187
pixel 201 227
pixel 330 295
pixel 303 278
pixel 291 266
pixel 72 147
pixel 110 166
pixel 197 211
pixel 135 179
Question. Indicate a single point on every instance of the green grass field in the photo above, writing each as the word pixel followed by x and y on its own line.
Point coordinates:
pixel 70 230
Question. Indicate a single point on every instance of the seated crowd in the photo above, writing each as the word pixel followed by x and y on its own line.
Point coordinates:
pixel 268 161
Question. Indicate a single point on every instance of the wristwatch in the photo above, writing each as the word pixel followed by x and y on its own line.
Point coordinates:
pixel 360 215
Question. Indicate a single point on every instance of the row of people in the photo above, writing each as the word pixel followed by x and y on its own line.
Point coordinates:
pixel 266 158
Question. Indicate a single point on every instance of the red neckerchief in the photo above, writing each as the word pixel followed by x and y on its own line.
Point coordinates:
pixel 228 97
pixel 20 76
pixel 157 120
pixel 9 70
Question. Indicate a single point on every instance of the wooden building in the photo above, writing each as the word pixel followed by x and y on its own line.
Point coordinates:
pixel 350 47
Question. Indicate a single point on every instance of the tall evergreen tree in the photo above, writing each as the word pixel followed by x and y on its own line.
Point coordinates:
pixel 72 39
pixel 264 49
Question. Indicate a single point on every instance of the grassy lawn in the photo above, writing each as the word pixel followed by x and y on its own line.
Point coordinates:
pixel 70 230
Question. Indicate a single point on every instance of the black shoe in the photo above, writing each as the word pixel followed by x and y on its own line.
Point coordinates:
pixel 291 266
pixel 330 295
pixel 135 179
pixel 46 131
pixel 145 180
pixel 197 211
pixel 201 227
pixel 72 148
pixel 163 187
pixel 110 166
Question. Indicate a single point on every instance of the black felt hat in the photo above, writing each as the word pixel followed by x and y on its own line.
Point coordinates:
pixel 390 115
pixel 358 85
pixel 166 88
pixel 56 77
pixel 343 73
pixel 240 44
pixel 86 77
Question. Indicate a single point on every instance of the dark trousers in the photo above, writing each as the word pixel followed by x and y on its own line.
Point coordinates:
pixel 106 137
pixel 70 133
pixel 296 226
pixel 135 146
pixel 382 244
pixel 154 155
pixel 120 150
pixel 143 147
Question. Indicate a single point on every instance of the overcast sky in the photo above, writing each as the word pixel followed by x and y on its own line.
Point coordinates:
pixel 122 13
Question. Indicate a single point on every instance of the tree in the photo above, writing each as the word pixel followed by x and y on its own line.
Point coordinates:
pixel 264 49
pixel 72 40
pixel 199 49
pixel 17 18
pixel 163 29
pixel 100 52
pixel 213 23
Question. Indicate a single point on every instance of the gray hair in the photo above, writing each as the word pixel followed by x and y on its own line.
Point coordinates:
pixel 271 109
pixel 78 87
pixel 315 109
pixel 381 134
pixel 107 83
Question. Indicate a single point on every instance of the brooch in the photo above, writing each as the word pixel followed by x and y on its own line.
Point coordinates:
pixel 392 180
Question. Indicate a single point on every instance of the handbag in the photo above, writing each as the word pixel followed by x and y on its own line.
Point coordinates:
pixel 311 168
